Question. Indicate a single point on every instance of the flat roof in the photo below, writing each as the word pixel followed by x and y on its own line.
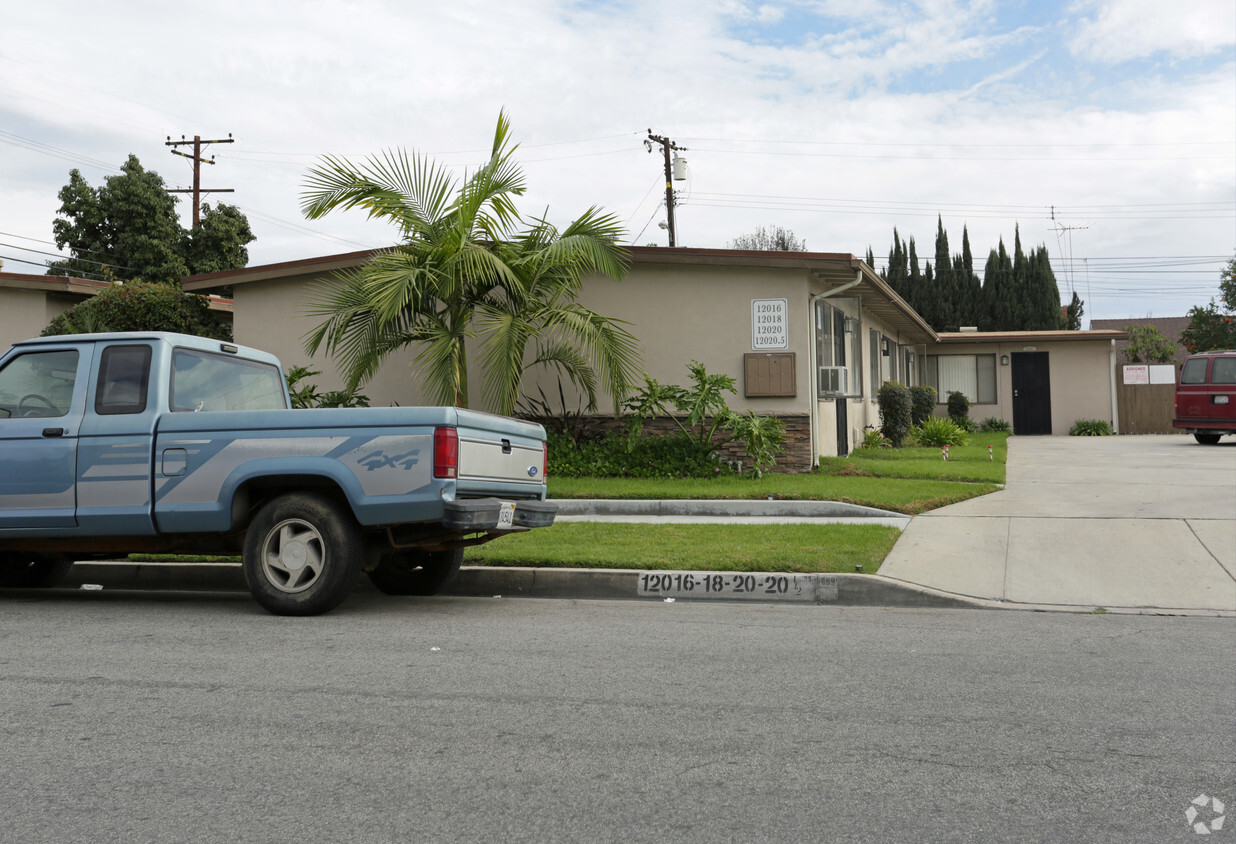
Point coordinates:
pixel 52 283
pixel 1028 336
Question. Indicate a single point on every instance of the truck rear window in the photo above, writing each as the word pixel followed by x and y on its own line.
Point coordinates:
pixel 1194 371
pixel 1224 371
pixel 202 382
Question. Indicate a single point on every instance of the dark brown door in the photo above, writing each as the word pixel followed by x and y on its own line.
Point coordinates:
pixel 1031 393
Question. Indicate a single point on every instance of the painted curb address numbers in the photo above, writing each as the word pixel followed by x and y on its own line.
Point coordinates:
pixel 738 586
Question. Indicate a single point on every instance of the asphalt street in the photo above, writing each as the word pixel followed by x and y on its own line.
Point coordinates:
pixel 188 716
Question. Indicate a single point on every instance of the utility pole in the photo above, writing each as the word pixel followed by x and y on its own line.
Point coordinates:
pixel 666 146
pixel 198 161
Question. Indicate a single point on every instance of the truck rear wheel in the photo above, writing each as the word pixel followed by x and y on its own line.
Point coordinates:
pixel 1207 439
pixel 416 572
pixel 302 554
pixel 30 571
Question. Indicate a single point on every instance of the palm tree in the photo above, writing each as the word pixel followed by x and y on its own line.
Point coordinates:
pixel 464 270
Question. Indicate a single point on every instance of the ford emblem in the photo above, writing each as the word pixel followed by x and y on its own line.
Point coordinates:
pixel 532 470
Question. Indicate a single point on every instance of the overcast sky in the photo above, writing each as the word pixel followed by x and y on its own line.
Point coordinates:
pixel 838 119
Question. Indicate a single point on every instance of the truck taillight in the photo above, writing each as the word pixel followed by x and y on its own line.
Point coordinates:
pixel 445 452
pixel 545 463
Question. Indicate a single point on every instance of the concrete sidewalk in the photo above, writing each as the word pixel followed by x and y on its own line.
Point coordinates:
pixel 1134 522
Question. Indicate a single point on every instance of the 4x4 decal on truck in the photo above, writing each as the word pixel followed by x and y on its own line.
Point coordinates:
pixel 379 460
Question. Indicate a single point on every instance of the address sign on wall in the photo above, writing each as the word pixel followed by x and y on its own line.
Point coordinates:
pixel 769 325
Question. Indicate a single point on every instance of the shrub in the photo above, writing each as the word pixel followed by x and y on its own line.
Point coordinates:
pixel 966 424
pixel 994 425
pixel 958 406
pixel 937 431
pixel 874 439
pixel 142 306
pixel 613 456
pixel 922 403
pixel 1091 428
pixel 895 412
pixel 575 424
pixel 702 407
pixel 307 395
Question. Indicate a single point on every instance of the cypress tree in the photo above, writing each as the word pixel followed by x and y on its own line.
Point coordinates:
pixel 914 281
pixel 945 292
pixel 991 292
pixel 973 296
pixel 893 274
pixel 1043 294
pixel 1001 291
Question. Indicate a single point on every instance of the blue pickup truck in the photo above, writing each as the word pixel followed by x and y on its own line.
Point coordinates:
pixel 123 443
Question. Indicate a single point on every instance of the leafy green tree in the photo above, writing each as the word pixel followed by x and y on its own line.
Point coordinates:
pixel 1148 345
pixel 769 239
pixel 142 306
pixel 1214 326
pixel 127 229
pixel 464 269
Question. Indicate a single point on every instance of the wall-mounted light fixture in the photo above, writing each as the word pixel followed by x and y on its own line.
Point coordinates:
pixel 1004 360
pixel 851 325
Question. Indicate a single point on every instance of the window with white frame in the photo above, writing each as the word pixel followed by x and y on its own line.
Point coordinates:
pixel 972 375
pixel 838 349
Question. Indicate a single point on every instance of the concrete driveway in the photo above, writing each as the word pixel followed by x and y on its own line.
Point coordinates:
pixel 1114 522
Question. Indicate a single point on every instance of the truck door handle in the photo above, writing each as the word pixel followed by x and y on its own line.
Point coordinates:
pixel 53 432
pixel 506 446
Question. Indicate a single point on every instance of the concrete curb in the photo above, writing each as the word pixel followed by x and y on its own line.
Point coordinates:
pixel 850 590
pixel 718 508
pixel 579 584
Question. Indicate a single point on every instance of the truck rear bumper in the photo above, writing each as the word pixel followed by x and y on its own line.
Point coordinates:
pixel 472 514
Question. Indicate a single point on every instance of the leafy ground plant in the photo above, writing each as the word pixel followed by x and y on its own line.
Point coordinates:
pixel 1091 428
pixel 936 431
pixel 700 411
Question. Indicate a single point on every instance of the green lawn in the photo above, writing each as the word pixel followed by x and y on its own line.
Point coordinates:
pixel 790 548
pixel 905 480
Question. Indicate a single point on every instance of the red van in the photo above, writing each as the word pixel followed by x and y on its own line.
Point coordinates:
pixel 1206 396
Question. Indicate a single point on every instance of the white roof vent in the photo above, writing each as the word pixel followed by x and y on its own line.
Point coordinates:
pixel 970 328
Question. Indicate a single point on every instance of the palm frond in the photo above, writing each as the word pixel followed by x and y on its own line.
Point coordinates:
pixel 410 191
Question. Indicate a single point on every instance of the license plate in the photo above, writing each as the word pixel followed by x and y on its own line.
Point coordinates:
pixel 729 585
pixel 506 517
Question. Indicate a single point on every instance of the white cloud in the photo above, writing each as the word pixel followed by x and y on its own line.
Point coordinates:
pixel 908 104
pixel 1116 31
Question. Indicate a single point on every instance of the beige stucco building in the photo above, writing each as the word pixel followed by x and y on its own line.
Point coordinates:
pixel 29 302
pixel 808 337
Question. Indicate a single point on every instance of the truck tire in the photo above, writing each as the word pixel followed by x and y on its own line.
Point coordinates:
pixel 416 572
pixel 302 554
pixel 30 571
pixel 1207 439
